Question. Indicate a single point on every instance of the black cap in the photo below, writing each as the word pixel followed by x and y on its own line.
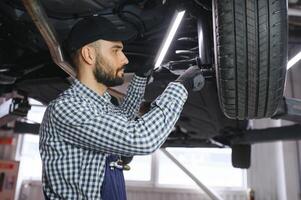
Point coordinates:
pixel 93 28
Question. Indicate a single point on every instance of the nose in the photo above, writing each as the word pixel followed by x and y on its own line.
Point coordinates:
pixel 125 60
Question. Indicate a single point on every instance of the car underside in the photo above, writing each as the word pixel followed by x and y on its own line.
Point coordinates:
pixel 241 46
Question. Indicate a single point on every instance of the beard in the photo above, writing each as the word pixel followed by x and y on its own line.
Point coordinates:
pixel 108 78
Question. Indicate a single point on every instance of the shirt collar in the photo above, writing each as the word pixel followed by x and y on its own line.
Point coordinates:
pixel 85 91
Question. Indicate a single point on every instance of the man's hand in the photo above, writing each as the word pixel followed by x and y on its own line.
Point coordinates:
pixel 192 79
pixel 145 70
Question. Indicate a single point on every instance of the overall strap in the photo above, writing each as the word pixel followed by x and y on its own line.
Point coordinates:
pixel 113 186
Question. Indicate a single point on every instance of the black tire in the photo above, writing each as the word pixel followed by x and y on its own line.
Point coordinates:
pixel 241 156
pixel 250 56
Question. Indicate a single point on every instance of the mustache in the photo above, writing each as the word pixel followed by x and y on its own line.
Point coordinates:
pixel 121 68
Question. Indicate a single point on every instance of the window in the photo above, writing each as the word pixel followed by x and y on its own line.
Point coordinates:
pixel 29 151
pixel 36 112
pixel 140 169
pixel 30 158
pixel 211 166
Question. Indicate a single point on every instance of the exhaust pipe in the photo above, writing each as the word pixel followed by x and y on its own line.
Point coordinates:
pixel 39 17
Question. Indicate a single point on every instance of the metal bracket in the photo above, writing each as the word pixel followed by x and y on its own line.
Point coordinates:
pixel 268 135
pixel 13 109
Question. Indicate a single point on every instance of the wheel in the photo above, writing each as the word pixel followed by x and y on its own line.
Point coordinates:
pixel 241 156
pixel 250 39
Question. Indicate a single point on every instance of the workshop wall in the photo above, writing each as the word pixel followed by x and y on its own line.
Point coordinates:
pixel 274 172
pixel 8 144
pixel 138 194
pixel 32 190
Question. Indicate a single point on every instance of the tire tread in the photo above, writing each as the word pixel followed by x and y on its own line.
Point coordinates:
pixel 251 56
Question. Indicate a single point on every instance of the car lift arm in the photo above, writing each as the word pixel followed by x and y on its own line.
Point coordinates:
pixel 289 109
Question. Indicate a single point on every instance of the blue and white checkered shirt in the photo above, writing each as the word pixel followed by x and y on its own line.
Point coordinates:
pixel 80 128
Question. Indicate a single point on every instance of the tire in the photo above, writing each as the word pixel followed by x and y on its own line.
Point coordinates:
pixel 241 156
pixel 250 39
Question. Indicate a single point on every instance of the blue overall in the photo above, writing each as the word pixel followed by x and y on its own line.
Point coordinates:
pixel 113 186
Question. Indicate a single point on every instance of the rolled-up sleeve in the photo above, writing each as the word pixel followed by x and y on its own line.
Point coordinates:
pixel 113 133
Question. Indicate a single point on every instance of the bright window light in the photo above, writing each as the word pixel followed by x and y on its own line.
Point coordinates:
pixel 294 60
pixel 36 113
pixel 140 169
pixel 212 166
pixel 170 36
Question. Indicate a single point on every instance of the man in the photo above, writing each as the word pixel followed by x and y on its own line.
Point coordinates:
pixel 83 133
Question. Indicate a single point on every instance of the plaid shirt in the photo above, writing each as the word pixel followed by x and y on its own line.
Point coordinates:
pixel 81 128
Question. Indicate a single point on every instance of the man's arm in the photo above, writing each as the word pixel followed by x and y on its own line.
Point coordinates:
pixel 134 96
pixel 112 133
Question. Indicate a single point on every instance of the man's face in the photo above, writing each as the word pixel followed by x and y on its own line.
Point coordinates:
pixel 110 63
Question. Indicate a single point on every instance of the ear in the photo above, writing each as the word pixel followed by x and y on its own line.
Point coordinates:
pixel 88 55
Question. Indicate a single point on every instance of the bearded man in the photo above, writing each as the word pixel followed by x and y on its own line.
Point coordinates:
pixel 83 134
